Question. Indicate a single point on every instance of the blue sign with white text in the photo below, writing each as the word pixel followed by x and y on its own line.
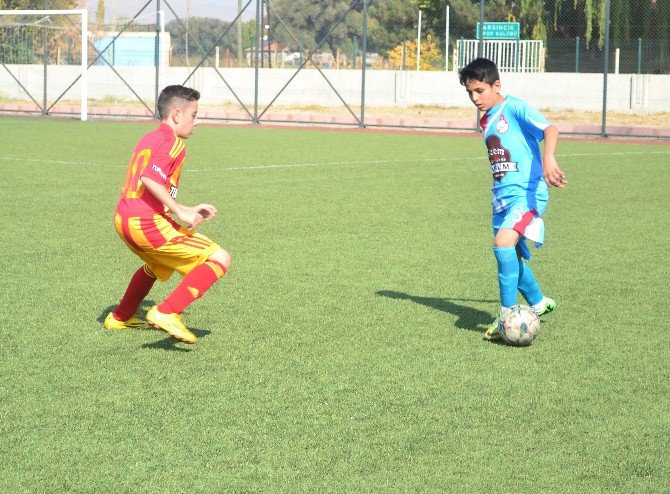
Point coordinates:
pixel 500 30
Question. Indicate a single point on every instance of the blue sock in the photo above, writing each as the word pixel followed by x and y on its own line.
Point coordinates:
pixel 508 274
pixel 528 286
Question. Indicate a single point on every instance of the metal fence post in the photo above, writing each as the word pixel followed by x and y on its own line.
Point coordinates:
pixel 257 49
pixel 355 50
pixel 516 53
pixel 603 130
pixel 157 56
pixel 418 43
pixel 45 46
pixel 639 55
pixel 446 39
pixel 480 51
pixel 363 64
pixel 480 45
pixel 577 54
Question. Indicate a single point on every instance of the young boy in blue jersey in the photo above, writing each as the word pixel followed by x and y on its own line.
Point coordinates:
pixel 521 180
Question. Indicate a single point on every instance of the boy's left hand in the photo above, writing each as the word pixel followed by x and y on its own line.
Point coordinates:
pixel 552 174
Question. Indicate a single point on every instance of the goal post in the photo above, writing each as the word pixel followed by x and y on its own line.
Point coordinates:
pixel 83 13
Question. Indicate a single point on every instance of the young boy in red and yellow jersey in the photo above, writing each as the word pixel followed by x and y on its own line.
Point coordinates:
pixel 143 221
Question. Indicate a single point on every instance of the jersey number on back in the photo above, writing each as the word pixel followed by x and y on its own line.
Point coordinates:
pixel 133 187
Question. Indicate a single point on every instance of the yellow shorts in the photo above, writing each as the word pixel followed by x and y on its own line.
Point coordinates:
pixel 165 245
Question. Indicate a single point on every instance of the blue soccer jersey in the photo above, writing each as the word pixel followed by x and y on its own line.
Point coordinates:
pixel 513 131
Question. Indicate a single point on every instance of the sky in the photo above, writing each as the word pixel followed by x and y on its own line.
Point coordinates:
pixel 223 9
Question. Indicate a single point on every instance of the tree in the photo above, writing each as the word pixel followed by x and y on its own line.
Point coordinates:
pixel 431 56
pixel 661 29
pixel 531 17
pixel 320 22
pixel 586 15
pixel 622 15
pixel 394 20
pixel 38 4
pixel 203 31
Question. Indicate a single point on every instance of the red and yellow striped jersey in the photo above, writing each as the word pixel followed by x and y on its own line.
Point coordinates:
pixel 159 156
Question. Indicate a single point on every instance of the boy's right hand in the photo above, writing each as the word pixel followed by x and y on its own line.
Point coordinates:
pixel 189 216
pixel 552 174
pixel 192 216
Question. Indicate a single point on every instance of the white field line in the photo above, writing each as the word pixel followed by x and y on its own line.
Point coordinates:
pixel 321 163
pixel 58 162
pixel 328 163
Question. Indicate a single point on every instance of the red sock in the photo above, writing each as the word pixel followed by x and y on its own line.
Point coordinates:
pixel 193 286
pixel 138 288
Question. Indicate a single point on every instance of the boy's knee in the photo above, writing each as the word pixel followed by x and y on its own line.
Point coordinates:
pixel 506 237
pixel 222 257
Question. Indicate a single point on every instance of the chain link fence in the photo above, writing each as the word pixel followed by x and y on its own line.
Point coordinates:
pixel 388 63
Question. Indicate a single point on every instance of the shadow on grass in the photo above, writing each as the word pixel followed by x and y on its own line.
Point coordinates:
pixel 171 344
pixel 144 307
pixel 468 317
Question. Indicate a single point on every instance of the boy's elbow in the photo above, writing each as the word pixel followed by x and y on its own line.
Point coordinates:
pixel 551 133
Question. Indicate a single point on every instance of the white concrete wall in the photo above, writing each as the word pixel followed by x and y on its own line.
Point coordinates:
pixel 565 91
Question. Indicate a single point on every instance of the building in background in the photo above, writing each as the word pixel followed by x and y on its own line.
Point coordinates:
pixel 133 49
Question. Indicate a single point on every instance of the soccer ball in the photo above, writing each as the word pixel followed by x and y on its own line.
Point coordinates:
pixel 519 325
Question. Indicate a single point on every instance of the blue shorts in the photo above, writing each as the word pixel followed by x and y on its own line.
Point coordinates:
pixel 520 217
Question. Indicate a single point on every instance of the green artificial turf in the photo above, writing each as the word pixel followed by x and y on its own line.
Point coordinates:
pixel 343 351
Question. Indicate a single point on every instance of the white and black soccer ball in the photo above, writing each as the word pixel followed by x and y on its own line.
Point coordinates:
pixel 519 325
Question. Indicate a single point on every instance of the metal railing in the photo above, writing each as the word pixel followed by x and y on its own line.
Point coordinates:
pixel 508 55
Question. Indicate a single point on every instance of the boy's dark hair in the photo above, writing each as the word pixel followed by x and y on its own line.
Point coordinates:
pixel 480 69
pixel 171 95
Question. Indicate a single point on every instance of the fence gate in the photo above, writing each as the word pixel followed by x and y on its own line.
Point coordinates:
pixel 509 55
